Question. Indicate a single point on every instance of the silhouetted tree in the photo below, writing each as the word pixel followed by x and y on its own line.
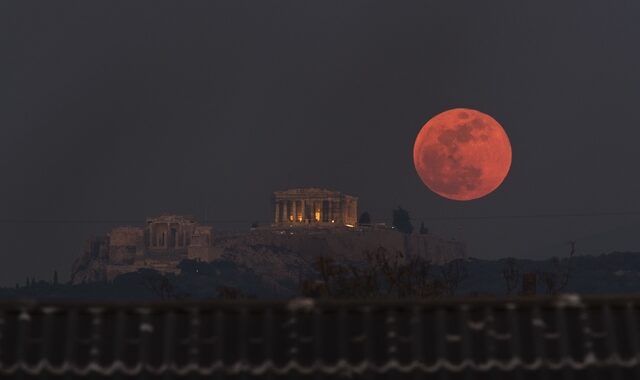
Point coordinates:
pixel 557 277
pixel 365 218
pixel 402 220
pixel 453 273
pixel 230 293
pixel 160 285
pixel 55 277
pixel 423 230
pixel 380 274
pixel 254 225
pixel 27 283
pixel 511 274
pixel 529 284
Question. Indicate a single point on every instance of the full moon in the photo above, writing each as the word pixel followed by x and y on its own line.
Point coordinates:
pixel 462 154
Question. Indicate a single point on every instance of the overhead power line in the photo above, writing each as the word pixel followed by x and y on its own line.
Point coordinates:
pixel 103 221
pixel 249 221
pixel 531 216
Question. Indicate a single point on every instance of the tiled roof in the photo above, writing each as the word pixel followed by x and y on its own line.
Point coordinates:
pixel 562 337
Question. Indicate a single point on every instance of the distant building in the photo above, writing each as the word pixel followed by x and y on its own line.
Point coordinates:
pixel 160 245
pixel 314 207
pixel 163 235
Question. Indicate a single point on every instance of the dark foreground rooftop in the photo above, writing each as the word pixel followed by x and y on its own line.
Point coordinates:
pixel 566 337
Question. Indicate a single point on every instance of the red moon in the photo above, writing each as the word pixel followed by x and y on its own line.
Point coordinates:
pixel 462 154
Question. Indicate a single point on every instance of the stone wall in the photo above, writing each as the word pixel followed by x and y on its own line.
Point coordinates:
pixel 201 247
pixel 125 244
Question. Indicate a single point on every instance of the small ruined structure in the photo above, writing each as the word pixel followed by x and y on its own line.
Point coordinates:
pixel 314 207
pixel 164 235
pixel 160 245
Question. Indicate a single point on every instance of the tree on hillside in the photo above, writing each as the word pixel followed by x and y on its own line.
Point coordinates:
pixel 381 274
pixel 423 230
pixel 55 277
pixel 402 220
pixel 557 277
pixel 511 274
pixel 230 293
pixel 365 218
pixel 453 273
pixel 160 285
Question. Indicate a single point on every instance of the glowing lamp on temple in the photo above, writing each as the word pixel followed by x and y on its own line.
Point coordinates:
pixel 462 154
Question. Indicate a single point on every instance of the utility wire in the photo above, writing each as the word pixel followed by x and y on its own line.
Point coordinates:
pixel 469 217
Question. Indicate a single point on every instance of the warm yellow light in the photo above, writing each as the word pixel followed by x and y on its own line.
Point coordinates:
pixel 333 221
pixel 299 217
pixel 291 218
pixel 317 216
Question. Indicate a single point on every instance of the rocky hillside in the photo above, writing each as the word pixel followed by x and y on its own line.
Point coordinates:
pixel 286 255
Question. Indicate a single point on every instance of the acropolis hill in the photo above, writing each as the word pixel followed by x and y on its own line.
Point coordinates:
pixel 307 223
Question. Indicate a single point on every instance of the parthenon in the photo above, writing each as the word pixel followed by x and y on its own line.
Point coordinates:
pixel 314 207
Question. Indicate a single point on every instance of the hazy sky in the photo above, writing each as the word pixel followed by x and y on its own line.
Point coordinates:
pixel 116 110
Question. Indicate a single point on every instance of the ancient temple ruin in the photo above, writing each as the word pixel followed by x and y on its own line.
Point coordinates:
pixel 163 235
pixel 161 244
pixel 314 207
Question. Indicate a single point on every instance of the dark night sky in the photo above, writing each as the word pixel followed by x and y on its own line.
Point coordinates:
pixel 116 110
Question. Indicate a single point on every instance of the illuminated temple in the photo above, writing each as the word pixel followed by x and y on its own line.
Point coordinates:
pixel 314 207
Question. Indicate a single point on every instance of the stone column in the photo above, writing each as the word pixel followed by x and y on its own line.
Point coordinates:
pixel 166 237
pixel 330 210
pixel 352 212
pixel 334 210
pixel 295 210
pixel 302 206
pixel 285 213
pixel 355 212
pixel 277 217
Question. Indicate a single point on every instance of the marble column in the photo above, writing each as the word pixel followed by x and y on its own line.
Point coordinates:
pixel 277 217
pixel 166 238
pixel 285 212
pixel 295 210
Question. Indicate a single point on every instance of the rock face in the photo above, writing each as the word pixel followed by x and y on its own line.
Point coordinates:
pixel 91 265
pixel 289 254
pixel 282 254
